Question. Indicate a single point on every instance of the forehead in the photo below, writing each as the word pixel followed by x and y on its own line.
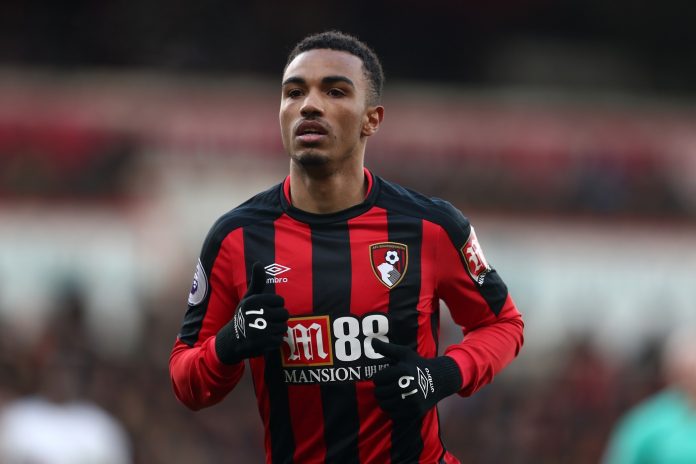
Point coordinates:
pixel 319 63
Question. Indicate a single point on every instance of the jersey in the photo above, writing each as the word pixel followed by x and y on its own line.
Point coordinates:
pixel 375 270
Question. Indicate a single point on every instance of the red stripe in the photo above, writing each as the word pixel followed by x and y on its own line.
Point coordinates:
pixel 427 300
pixel 293 248
pixel 233 246
pixel 368 294
pixel 223 299
pixel 432 446
pixel 258 367
pixel 368 176
pixel 427 303
pixel 286 189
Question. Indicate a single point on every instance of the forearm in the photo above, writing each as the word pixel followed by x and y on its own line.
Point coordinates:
pixel 198 377
pixel 486 350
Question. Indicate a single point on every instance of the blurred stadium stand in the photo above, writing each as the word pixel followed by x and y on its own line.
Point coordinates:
pixel 567 133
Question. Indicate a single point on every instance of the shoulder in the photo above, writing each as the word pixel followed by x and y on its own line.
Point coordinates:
pixel 263 207
pixel 399 199
pixel 658 408
pixel 655 414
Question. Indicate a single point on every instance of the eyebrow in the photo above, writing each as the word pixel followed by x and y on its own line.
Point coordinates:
pixel 325 80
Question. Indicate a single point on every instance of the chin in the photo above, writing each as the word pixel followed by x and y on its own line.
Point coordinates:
pixel 310 159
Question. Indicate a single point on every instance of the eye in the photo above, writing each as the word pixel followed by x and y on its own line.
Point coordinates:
pixel 334 92
pixel 293 93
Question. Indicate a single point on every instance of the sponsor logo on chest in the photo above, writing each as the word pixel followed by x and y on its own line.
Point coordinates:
pixel 476 263
pixel 317 349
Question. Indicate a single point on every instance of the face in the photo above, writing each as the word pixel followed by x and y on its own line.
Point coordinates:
pixel 684 371
pixel 324 115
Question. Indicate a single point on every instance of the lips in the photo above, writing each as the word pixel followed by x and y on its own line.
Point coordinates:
pixel 311 131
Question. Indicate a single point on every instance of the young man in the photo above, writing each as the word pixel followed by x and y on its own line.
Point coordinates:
pixel 329 285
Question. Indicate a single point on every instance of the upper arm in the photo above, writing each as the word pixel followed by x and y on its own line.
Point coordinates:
pixel 469 285
pixel 218 284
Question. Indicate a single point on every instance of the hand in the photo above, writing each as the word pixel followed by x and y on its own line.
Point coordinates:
pixel 412 385
pixel 258 325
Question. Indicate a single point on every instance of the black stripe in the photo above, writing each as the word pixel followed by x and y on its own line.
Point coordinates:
pixel 494 291
pixel 435 326
pixel 331 283
pixel 407 443
pixel 439 436
pixel 259 245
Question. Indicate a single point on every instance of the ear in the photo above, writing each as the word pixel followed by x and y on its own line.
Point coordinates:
pixel 373 118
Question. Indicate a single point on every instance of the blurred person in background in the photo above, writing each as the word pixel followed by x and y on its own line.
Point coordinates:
pixel 54 421
pixel 662 428
pixel 329 285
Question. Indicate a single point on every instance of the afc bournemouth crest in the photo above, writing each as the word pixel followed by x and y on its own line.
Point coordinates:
pixel 389 262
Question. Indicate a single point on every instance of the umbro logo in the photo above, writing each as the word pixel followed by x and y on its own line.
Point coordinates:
pixel 425 382
pixel 275 270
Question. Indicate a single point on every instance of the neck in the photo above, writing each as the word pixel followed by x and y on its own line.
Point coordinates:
pixel 327 193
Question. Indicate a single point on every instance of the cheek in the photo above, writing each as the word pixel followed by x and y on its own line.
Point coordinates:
pixel 351 123
pixel 285 123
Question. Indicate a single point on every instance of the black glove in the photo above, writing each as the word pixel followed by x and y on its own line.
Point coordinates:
pixel 412 385
pixel 258 325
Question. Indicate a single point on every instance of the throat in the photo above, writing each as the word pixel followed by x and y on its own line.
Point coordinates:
pixel 328 194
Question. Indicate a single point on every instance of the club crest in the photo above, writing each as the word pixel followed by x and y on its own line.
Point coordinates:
pixel 389 262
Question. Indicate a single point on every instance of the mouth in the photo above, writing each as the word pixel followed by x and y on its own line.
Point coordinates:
pixel 311 132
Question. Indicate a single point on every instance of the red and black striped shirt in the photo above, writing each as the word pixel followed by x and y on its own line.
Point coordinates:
pixel 378 269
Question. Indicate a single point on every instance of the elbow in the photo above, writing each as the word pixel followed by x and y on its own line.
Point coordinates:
pixel 192 406
pixel 194 399
pixel 518 332
pixel 183 398
pixel 514 324
pixel 186 397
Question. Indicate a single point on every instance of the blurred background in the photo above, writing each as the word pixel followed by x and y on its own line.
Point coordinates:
pixel 566 132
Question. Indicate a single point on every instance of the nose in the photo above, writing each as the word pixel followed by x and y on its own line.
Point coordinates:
pixel 311 106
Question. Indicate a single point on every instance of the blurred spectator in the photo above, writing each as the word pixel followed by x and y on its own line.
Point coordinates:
pixel 56 424
pixel 39 431
pixel 662 429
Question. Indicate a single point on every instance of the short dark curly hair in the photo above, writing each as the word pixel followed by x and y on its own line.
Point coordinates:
pixel 340 41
